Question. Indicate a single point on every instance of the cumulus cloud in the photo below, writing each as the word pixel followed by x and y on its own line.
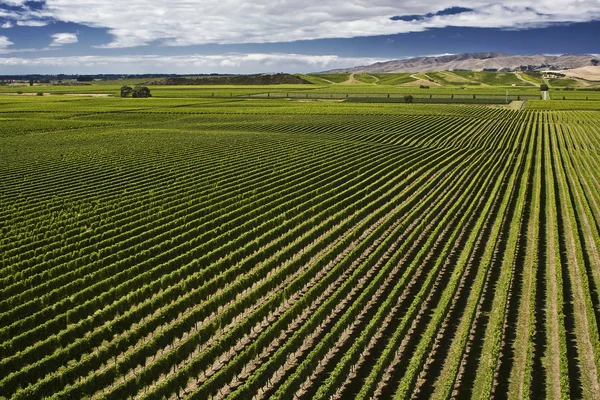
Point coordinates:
pixel 197 63
pixel 4 42
pixel 183 22
pixel 58 39
pixel 6 25
pixel 36 23
pixel 14 2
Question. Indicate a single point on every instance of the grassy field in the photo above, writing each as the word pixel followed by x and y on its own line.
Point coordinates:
pixel 563 105
pixel 494 78
pixel 393 79
pixel 366 84
pixel 563 82
pixel 265 248
pixel 534 78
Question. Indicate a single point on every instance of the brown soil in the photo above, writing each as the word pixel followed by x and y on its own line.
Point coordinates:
pixel 350 81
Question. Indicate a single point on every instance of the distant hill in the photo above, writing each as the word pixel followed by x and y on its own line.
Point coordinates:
pixel 477 62
pixel 259 79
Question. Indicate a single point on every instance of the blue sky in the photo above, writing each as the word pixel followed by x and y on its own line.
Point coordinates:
pixel 232 36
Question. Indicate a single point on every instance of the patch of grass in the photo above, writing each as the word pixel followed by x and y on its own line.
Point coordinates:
pixel 563 82
pixel 335 78
pixel 493 78
pixel 394 79
pixel 563 105
pixel 533 77
pixel 450 78
pixel 365 78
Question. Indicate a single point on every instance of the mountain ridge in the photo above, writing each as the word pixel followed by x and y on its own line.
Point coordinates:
pixel 493 61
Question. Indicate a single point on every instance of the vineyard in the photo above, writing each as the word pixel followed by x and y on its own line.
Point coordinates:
pixel 274 249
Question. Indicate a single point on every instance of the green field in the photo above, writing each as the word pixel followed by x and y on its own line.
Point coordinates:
pixel 563 82
pixel 494 78
pixel 533 77
pixel 563 105
pixel 457 84
pixel 232 247
pixel 393 79
pixel 332 78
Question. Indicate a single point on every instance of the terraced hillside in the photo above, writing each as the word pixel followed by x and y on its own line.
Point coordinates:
pixel 271 249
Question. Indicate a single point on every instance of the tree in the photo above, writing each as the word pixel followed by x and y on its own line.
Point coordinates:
pixel 408 99
pixel 544 87
pixel 31 82
pixel 126 91
pixel 141 92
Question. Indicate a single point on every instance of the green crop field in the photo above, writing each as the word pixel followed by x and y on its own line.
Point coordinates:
pixel 494 78
pixel 231 247
pixel 563 105
pixel 366 78
pixel 563 82
pixel 393 79
pixel 331 78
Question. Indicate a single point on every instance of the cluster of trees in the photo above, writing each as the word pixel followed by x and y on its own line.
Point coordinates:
pixel 137 92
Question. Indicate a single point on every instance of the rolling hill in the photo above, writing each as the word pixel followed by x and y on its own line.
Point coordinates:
pixel 477 62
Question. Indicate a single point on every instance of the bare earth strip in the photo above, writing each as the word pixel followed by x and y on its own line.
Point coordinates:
pixel 350 81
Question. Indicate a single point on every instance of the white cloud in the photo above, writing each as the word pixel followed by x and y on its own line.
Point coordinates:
pixel 6 25
pixel 4 42
pixel 184 22
pixel 14 2
pixel 32 23
pixel 195 63
pixel 9 14
pixel 58 39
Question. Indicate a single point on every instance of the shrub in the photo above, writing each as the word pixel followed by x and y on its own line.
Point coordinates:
pixel 141 92
pixel 126 91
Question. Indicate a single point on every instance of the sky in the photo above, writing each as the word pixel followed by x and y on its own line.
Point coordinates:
pixel 233 36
